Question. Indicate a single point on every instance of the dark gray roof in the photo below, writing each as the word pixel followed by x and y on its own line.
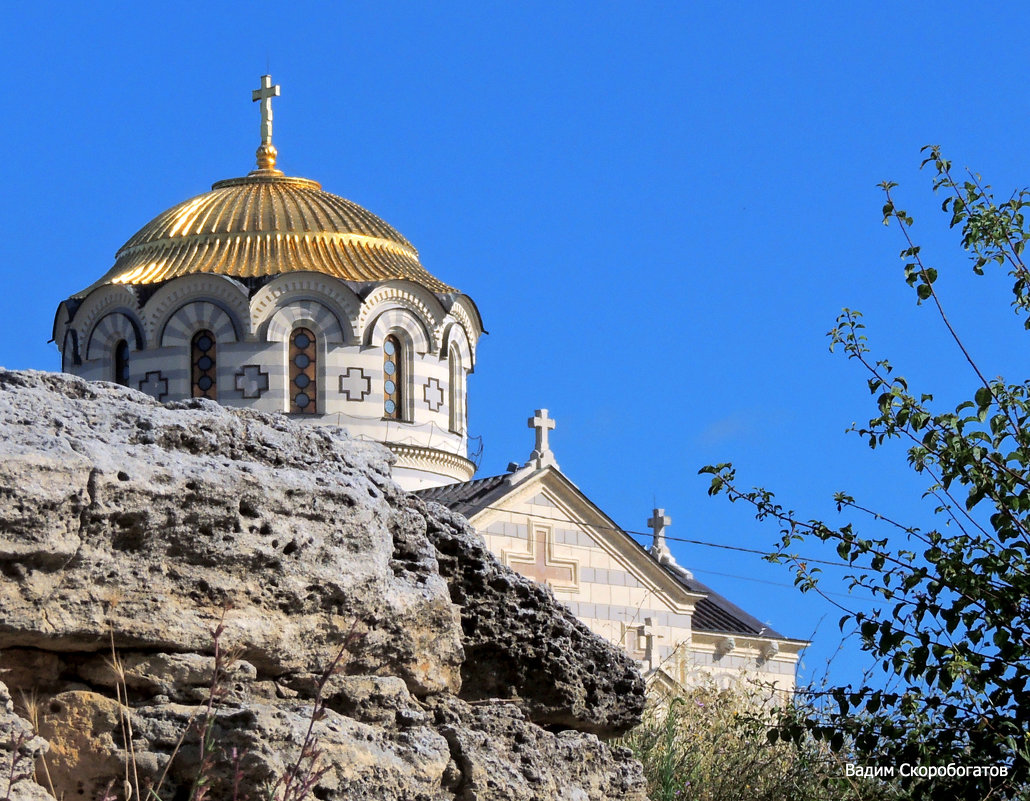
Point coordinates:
pixel 714 613
pixel 717 614
pixel 468 497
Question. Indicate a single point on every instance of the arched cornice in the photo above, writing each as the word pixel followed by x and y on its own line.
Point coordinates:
pixel 195 316
pixel 454 335
pixel 219 290
pixel 401 321
pixel 308 313
pixel 103 301
pixel 289 289
pixel 405 295
pixel 111 328
pixel 465 312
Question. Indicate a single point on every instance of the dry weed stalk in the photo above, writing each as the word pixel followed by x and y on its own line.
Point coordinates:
pixel 300 779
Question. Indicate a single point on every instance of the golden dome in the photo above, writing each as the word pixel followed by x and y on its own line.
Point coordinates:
pixel 267 224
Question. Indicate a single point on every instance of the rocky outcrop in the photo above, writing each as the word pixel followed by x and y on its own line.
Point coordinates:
pixel 521 643
pixel 177 579
pixel 21 748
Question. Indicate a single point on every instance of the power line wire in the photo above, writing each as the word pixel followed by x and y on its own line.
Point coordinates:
pixel 723 546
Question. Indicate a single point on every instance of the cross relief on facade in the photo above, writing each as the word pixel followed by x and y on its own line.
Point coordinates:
pixel 432 394
pixel 540 564
pixel 355 384
pixel 155 385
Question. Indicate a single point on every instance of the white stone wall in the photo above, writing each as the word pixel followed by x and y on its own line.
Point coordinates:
pixel 252 351
pixel 612 597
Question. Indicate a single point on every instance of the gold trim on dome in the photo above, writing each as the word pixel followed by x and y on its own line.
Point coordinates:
pixel 267 224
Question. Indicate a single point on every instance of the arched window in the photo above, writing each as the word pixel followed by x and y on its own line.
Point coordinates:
pixel 303 372
pixel 456 394
pixel 393 379
pixel 203 368
pixel 121 363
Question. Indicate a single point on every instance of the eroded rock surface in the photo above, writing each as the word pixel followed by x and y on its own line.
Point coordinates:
pixel 20 749
pixel 522 643
pixel 131 531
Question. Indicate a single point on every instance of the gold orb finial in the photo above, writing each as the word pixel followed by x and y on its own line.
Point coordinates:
pixel 266 155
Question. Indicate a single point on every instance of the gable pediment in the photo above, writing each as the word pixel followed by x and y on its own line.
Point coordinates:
pixel 546 510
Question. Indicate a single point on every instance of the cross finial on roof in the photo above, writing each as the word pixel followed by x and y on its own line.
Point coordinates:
pixel 659 520
pixel 266 152
pixel 541 455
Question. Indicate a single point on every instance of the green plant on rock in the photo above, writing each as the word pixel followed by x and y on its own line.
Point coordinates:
pixel 951 625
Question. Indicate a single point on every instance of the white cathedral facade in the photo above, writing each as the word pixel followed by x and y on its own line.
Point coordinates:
pixel 271 294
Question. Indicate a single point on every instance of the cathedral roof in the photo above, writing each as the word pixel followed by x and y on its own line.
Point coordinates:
pixel 267 224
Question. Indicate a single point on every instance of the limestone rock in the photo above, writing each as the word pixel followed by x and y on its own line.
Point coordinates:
pixel 20 748
pixel 85 731
pixel 521 643
pixel 501 755
pixel 119 513
pixel 134 536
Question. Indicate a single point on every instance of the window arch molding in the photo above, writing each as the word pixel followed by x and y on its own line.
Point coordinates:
pixel 304 290
pixel 402 322
pixel 104 301
pixel 109 330
pixel 309 314
pixel 403 297
pixel 170 300
pixel 197 315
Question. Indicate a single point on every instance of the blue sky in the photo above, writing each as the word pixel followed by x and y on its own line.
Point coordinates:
pixel 659 208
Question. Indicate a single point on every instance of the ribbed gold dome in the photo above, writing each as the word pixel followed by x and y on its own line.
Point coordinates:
pixel 267 224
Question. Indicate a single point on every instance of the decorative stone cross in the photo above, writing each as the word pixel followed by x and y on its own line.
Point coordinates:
pixel 659 520
pixel 251 381
pixel 649 632
pixel 265 95
pixel 540 565
pixel 355 384
pixel 541 455
pixel 155 385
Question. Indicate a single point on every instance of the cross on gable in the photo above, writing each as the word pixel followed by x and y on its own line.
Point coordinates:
pixel 541 565
pixel 658 521
pixel 542 451
pixel 265 93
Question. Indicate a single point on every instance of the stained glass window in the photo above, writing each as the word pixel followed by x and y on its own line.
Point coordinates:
pixel 303 372
pixel 121 363
pixel 393 401
pixel 203 371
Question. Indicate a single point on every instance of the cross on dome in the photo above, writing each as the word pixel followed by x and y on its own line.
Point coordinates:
pixel 265 93
pixel 266 153
pixel 541 455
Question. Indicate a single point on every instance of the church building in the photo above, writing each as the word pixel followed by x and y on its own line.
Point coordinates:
pixel 270 293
